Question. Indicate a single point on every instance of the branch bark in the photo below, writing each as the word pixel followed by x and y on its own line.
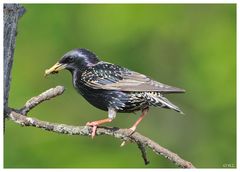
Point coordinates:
pixel 12 13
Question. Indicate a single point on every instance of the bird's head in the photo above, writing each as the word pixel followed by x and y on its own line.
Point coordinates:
pixel 77 59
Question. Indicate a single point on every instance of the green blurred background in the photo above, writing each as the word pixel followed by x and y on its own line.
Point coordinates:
pixel 188 46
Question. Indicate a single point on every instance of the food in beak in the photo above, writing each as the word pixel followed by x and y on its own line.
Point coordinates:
pixel 55 68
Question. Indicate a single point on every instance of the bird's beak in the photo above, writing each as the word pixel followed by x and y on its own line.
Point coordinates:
pixel 55 68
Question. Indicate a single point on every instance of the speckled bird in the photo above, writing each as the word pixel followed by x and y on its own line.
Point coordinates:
pixel 113 88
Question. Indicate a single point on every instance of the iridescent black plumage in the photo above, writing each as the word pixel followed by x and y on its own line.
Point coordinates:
pixel 111 87
pixel 119 90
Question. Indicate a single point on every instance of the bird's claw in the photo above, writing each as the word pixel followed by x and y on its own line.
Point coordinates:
pixel 131 130
pixel 94 128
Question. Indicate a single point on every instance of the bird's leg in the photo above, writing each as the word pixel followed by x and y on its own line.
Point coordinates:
pixel 94 124
pixel 144 112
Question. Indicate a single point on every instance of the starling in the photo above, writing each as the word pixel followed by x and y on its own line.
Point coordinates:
pixel 113 88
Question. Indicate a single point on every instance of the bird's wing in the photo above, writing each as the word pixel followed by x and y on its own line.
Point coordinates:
pixel 113 77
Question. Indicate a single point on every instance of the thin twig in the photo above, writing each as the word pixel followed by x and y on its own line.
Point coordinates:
pixel 46 95
pixel 122 134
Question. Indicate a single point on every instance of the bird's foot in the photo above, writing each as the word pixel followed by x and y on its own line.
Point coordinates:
pixel 129 132
pixel 94 125
pixel 132 130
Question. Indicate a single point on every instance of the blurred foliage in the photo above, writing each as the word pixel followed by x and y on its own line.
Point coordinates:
pixel 187 46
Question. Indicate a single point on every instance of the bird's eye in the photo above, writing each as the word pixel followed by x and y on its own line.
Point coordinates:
pixel 68 59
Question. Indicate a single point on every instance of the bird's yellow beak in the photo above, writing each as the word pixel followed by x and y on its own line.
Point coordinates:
pixel 55 68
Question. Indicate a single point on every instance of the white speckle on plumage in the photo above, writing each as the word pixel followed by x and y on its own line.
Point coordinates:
pixel 131 98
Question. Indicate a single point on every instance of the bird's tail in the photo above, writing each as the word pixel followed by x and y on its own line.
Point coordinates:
pixel 156 99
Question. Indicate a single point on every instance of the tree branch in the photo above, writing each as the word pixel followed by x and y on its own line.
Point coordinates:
pixel 34 101
pixel 123 134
